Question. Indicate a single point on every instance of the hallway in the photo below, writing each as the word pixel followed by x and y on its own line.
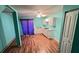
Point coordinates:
pixel 35 23
pixel 39 28
pixel 38 43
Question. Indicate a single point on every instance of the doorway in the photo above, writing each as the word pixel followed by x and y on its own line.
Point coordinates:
pixel 69 31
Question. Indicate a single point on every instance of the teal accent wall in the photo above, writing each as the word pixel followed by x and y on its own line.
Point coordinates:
pixel 1 36
pixel 38 22
pixel 7 32
pixel 59 24
pixel 70 7
pixel 1 30
pixel 2 8
pixel 8 27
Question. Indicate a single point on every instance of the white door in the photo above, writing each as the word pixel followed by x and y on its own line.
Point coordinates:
pixel 68 32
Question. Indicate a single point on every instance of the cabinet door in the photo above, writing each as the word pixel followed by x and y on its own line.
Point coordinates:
pixel 68 32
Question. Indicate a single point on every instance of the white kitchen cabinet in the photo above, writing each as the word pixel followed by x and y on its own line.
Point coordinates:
pixel 48 33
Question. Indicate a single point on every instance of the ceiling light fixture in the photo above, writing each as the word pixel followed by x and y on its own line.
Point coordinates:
pixel 38 15
pixel 46 20
pixel 43 15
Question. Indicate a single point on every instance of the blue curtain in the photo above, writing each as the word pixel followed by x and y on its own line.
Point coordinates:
pixel 27 26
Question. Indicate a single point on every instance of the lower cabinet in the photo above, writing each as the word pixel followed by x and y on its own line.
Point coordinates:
pixel 46 32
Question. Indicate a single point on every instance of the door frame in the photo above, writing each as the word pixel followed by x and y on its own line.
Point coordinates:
pixel 63 25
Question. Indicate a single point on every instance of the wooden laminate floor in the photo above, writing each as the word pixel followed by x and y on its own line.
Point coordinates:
pixel 34 44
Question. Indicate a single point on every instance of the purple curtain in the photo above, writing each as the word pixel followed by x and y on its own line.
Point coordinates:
pixel 31 27
pixel 27 26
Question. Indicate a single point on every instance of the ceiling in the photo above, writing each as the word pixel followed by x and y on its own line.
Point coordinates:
pixel 33 10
